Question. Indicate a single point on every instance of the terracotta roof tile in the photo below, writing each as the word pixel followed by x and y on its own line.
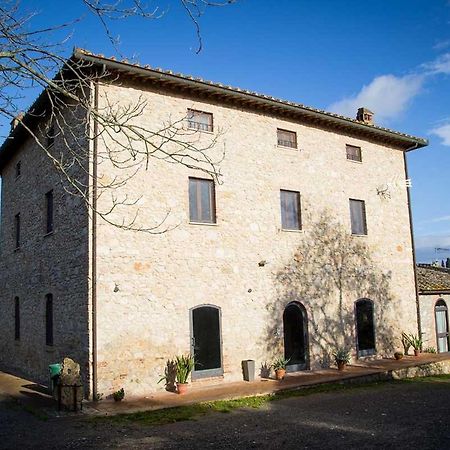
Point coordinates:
pixel 432 278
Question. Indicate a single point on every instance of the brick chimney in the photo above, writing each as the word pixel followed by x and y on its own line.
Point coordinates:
pixel 16 120
pixel 365 115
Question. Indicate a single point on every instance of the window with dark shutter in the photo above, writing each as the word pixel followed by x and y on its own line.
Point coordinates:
pixel 16 318
pixel 290 210
pixel 17 230
pixel 287 138
pixel 199 120
pixel 354 153
pixel 202 201
pixel 49 211
pixel 358 217
pixel 49 319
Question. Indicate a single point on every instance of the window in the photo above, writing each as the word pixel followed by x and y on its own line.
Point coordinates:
pixel 442 334
pixel 202 201
pixel 290 210
pixel 49 319
pixel 49 211
pixel 358 217
pixel 16 318
pixel 354 153
pixel 17 230
pixel 18 169
pixel 198 120
pixel 287 138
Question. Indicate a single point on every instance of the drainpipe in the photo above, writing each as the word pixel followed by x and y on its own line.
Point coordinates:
pixel 416 286
pixel 94 249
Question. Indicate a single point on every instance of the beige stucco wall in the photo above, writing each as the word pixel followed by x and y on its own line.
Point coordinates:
pixel 56 263
pixel 161 277
pixel 428 319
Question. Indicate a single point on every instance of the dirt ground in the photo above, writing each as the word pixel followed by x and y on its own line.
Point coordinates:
pixel 414 415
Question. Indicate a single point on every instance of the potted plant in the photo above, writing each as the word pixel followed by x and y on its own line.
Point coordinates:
pixel 416 342
pixel 279 365
pixel 406 343
pixel 119 395
pixel 341 357
pixel 184 366
pixel 398 355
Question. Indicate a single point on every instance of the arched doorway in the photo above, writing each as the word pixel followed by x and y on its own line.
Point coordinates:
pixel 295 327
pixel 206 341
pixel 365 328
pixel 441 316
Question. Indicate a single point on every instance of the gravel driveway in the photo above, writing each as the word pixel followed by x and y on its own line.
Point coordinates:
pixel 414 415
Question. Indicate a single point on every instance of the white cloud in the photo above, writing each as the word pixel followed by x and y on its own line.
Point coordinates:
pixel 443 131
pixel 433 241
pixel 438 219
pixel 387 96
pixel 440 65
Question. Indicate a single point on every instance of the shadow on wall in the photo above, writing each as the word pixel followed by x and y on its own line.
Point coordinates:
pixel 327 273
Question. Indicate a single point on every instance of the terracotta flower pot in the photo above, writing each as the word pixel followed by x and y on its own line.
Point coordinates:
pixel 182 388
pixel 280 374
pixel 416 352
pixel 341 365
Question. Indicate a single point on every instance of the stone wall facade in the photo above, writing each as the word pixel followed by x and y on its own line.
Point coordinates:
pixel 45 263
pixel 148 284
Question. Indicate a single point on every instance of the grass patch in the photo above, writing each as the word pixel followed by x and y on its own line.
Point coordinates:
pixel 192 412
pixel 443 378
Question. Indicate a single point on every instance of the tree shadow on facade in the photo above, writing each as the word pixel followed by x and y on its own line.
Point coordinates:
pixel 328 272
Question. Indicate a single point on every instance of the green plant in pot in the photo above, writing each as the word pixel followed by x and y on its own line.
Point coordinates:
pixel 341 357
pixel 416 343
pixel 184 366
pixel 406 343
pixel 279 365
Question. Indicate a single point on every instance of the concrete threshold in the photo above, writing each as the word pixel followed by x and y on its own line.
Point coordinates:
pixel 362 372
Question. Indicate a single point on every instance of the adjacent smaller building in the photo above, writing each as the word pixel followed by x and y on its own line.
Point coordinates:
pixel 434 298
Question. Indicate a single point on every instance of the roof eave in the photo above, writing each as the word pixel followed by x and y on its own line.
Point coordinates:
pixel 409 142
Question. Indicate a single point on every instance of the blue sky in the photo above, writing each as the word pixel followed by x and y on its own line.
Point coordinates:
pixel 391 56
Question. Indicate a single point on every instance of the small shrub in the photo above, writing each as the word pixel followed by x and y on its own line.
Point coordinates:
pixel 119 395
pixel 430 350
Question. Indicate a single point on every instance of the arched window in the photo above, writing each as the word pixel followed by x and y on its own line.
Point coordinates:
pixel 49 319
pixel 206 341
pixel 365 329
pixel 441 316
pixel 16 318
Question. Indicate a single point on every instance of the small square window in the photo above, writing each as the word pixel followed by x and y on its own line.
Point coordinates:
pixel 358 217
pixel 354 153
pixel 290 210
pixel 199 120
pixel 202 202
pixel 18 169
pixel 287 138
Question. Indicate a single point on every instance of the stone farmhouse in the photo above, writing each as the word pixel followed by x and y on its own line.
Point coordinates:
pixel 434 297
pixel 303 244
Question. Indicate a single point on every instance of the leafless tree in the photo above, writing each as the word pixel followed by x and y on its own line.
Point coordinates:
pixel 33 58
